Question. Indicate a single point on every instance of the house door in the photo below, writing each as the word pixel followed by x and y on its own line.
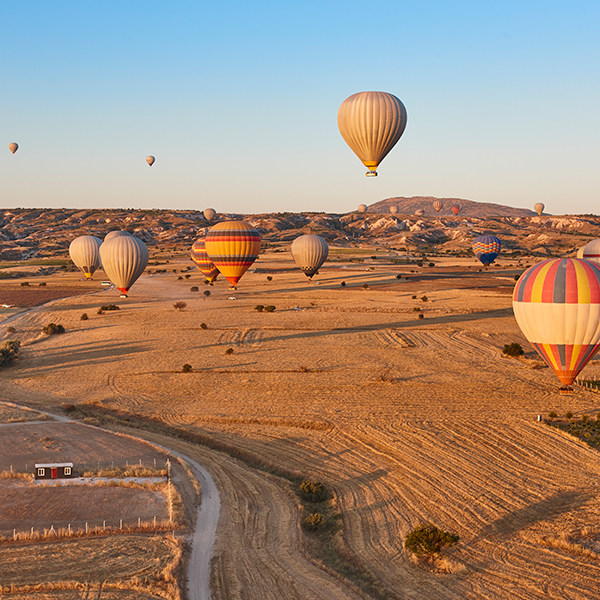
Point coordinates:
pixel 54 472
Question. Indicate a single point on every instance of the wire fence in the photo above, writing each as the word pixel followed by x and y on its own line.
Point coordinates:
pixel 81 467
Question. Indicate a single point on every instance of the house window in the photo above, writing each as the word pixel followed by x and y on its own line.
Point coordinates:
pixel 67 470
pixel 41 472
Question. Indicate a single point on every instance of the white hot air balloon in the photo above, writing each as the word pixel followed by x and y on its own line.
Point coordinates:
pixel 13 147
pixel 124 259
pixel 310 252
pixel 210 214
pixel 150 160
pixel 112 234
pixel 371 123
pixel 394 210
pixel 539 208
pixel 591 251
pixel 362 208
pixel 85 253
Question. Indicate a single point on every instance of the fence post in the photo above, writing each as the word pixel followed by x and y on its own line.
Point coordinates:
pixel 169 490
pixel 121 525
pixel 32 533
pixel 155 521
pixel 86 527
pixel 69 528
pixel 14 534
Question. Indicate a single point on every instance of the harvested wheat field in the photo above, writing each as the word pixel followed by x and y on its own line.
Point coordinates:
pixel 405 419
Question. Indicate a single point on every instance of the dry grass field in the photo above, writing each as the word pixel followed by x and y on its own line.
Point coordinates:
pixel 404 419
pixel 13 414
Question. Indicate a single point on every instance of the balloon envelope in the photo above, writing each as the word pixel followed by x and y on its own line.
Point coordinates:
pixel 557 306
pixel 419 212
pixel 124 259
pixel 112 234
pixel 232 246
pixel 200 257
pixel 310 252
pixel 394 210
pixel 456 208
pixel 371 123
pixel 210 214
pixel 539 208
pixel 486 248
pixel 437 204
pixel 85 253
pixel 13 147
pixel 150 160
pixel 591 251
pixel 580 252
pixel 362 208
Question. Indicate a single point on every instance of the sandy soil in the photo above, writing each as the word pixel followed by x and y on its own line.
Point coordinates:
pixel 406 419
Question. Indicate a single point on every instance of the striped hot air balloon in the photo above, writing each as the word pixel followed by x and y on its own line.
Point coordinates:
pixel 85 253
pixel 486 248
pixel 419 212
pixel 200 257
pixel 557 306
pixel 232 246
pixel 591 251
pixel 437 204
pixel 124 259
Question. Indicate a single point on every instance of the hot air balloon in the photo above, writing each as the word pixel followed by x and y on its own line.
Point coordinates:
pixel 150 160
pixel 394 210
pixel 557 306
pixel 362 208
pixel 200 257
pixel 591 251
pixel 116 233
pixel 124 259
pixel 371 123
pixel 539 208
pixel 232 246
pixel 437 204
pixel 580 252
pixel 486 248
pixel 456 208
pixel 310 252
pixel 210 214
pixel 419 212
pixel 13 147
pixel 85 253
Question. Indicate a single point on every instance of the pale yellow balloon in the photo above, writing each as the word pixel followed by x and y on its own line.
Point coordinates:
pixel 539 208
pixel 362 208
pixel 124 259
pixel 210 214
pixel 13 147
pixel 580 252
pixel 371 123
pixel 112 234
pixel 394 210
pixel 150 160
pixel 310 252
pixel 85 253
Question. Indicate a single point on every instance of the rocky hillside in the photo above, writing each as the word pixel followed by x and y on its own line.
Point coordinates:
pixel 408 206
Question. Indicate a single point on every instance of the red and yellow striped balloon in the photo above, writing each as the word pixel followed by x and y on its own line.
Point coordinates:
pixel 200 257
pixel 557 306
pixel 232 246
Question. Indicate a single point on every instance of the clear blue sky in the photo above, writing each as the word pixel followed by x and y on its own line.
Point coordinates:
pixel 238 102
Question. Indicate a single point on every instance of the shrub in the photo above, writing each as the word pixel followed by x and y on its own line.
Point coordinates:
pixel 365 286
pixel 414 297
pixel 312 491
pixel 24 283
pixel 187 276
pixel 206 293
pixel 9 350
pixel 203 326
pixel 270 308
pixel 517 277
pixel 314 522
pixel 229 351
pixel 179 305
pixel 416 309
pixel 10 329
pixel 269 278
pixel 398 276
pixel 585 418
pixel 186 368
pixel 513 349
pixel 421 316
pixel 43 284
pixel 100 312
pixel 180 278
pixel 552 414
pixel 426 540
pixel 110 307
pixel 53 328
pixel 424 298
pixel 568 415
pixel 194 288
pixel 259 307
pixel 343 284
pixel 69 408
pixel 83 317
pixel 431 264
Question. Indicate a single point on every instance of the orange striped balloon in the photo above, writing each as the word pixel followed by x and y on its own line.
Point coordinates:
pixel 232 246
pixel 200 257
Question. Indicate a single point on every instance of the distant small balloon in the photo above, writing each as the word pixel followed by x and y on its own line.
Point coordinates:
pixel 437 204
pixel 419 212
pixel 210 214
pixel 362 208
pixel 394 210
pixel 539 208
pixel 13 147
pixel 150 160
pixel 456 208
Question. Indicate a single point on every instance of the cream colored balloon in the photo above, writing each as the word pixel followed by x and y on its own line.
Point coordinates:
pixel 124 259
pixel 539 208
pixel 85 253
pixel 13 147
pixel 394 210
pixel 310 252
pixel 371 123
pixel 210 214
pixel 591 251
pixel 362 208
pixel 112 234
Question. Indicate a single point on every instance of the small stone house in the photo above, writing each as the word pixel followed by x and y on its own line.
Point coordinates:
pixel 54 471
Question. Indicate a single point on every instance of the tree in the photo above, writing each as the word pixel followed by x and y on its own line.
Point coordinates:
pixel 427 540
pixel 9 350
pixel 179 305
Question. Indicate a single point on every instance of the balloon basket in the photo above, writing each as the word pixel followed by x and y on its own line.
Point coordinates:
pixel 123 296
pixel 371 173
pixel 566 390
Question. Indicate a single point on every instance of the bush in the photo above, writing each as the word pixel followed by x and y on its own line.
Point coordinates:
pixel 365 286
pixel 83 317
pixel 24 283
pixel 426 540
pixel 552 414
pixel 69 408
pixel 568 415
pixel 186 368
pixel 10 329
pixel 312 491
pixel 343 284
pixel 229 351
pixel 180 278
pixel 206 293
pixel 398 276
pixel 100 312
pixel 269 278
pixel 424 298
pixel 416 309
pixel 513 349
pixel 203 326
pixel 259 307
pixel 194 288
pixel 179 305
pixel 421 316
pixel 43 284
pixel 517 277
pixel 53 328
pixel 314 522
pixel 270 308
pixel 110 307
pixel 414 297
pixel 187 276
pixel 9 350
pixel 431 265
